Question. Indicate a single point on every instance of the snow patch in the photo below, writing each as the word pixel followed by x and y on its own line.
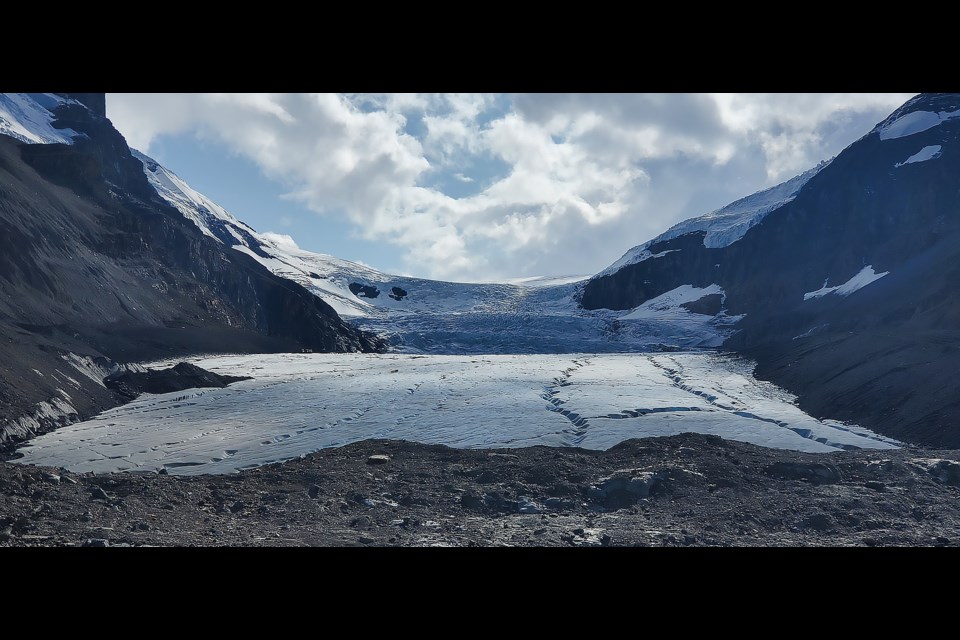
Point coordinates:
pixel 89 368
pixel 927 153
pixel 857 282
pixel 671 301
pixel 195 206
pixel 811 331
pixel 28 117
pixel 56 412
pixel 915 122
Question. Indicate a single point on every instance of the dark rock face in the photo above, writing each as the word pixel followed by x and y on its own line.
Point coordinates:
pixel 883 356
pixel 397 293
pixel 93 262
pixel 709 305
pixel 96 102
pixel 688 262
pixel 364 290
pixel 177 378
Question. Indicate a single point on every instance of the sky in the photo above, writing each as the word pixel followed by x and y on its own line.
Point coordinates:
pixel 487 187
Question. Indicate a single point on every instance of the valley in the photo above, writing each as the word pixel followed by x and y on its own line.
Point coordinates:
pixel 774 372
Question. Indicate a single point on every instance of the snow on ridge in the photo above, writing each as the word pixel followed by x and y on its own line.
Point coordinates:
pixel 28 117
pixel 524 315
pixel 915 122
pixel 672 301
pixel 930 152
pixel 191 203
pixel 543 281
pixel 864 277
pixel 725 225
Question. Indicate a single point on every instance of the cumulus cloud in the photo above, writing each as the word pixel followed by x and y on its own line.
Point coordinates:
pixel 481 186
pixel 281 240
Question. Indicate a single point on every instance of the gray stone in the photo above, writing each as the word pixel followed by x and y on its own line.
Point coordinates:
pixel 314 491
pixel 378 458
pixel 97 493
pixel 818 522
pixel 946 471
pixel 816 472
pixel 472 501
pixel 526 505
pixel 624 488
pixel 487 477
pixel 96 542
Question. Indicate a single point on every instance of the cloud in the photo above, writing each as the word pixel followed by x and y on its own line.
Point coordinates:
pixel 281 240
pixel 482 186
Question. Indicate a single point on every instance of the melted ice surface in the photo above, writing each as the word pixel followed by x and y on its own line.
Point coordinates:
pixel 299 403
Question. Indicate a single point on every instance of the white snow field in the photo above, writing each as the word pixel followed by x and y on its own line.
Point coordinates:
pixel 915 122
pixel 28 118
pixel 930 152
pixel 863 277
pixel 299 403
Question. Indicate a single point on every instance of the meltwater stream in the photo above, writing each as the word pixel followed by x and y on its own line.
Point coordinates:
pixel 300 403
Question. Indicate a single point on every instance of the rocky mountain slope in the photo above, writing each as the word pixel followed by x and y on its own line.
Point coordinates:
pixel 846 277
pixel 96 270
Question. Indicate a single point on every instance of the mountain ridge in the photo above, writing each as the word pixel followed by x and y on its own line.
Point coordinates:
pixel 882 354
pixel 96 268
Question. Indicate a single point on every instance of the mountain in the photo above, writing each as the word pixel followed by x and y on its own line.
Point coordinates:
pixel 845 277
pixel 416 315
pixel 98 270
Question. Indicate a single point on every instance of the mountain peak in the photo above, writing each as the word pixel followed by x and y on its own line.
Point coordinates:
pixel 96 102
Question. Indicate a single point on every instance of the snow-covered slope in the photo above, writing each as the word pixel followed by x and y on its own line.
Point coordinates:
pixel 727 224
pixel 28 117
pixel 526 315
pixel 914 122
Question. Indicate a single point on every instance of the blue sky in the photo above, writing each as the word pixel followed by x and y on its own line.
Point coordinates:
pixel 476 187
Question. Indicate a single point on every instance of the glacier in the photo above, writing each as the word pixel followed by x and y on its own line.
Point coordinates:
pixel 299 403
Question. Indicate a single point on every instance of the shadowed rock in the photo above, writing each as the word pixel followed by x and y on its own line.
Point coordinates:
pixel 182 376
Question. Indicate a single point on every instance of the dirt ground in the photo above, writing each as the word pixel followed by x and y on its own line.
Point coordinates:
pixel 686 490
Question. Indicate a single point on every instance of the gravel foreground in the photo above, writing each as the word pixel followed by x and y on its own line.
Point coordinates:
pixel 685 490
